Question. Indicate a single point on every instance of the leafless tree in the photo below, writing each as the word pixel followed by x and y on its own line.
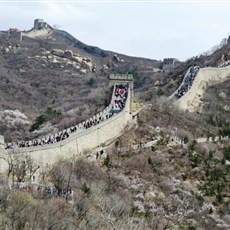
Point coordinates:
pixel 20 166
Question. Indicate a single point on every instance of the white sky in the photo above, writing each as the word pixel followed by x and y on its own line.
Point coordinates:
pixel 153 29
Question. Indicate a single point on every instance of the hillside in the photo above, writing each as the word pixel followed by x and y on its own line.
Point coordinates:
pixel 166 186
pixel 169 169
pixel 56 72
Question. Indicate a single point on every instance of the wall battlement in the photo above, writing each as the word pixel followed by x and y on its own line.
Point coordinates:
pixel 122 77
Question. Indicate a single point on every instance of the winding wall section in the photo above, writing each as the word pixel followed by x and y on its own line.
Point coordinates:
pixel 77 143
pixel 205 76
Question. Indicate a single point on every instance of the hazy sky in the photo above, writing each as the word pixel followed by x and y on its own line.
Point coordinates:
pixel 153 29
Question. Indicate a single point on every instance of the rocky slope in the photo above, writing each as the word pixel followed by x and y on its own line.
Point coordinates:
pixel 58 71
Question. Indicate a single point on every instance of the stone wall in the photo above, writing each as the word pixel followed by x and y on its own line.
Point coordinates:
pixel 15 36
pixel 36 33
pixel 78 143
pixel 182 83
pixel 205 77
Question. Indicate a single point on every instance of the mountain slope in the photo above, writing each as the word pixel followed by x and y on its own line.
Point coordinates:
pixel 58 71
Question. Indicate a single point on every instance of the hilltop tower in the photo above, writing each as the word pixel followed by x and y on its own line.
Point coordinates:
pixel 169 64
pixel 39 24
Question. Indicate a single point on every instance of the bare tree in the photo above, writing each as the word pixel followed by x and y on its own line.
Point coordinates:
pixel 20 166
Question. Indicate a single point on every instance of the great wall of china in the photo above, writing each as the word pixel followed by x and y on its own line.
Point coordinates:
pixel 205 77
pixel 92 138
pixel 83 139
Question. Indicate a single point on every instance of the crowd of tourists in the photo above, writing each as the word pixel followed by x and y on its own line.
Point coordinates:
pixel 224 64
pixel 121 92
pixel 117 104
pixel 188 81
pixel 49 140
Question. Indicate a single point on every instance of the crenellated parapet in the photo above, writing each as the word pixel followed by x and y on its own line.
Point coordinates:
pixel 121 77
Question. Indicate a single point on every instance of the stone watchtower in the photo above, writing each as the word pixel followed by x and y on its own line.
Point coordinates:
pixel 169 64
pixel 124 78
pixel 39 24
pixel 15 35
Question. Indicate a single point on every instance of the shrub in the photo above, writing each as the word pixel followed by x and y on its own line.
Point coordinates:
pixel 219 198
pixel 52 113
pixel 160 92
pixel 38 122
pixel 35 84
pixel 140 122
pixel 151 163
pixel 186 139
pixel 107 161
pixel 199 198
pixel 91 82
pixel 226 153
pixel 41 119
pixel 86 189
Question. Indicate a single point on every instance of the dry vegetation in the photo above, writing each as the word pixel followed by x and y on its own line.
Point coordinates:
pixel 159 188
pixel 216 106
pixel 31 82
pixel 183 187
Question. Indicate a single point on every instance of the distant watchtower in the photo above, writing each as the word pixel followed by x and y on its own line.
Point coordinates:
pixel 39 24
pixel 169 64
pixel 15 35
pixel 124 78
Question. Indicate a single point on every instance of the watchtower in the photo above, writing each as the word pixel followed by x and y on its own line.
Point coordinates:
pixel 124 78
pixel 15 35
pixel 169 64
pixel 39 24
